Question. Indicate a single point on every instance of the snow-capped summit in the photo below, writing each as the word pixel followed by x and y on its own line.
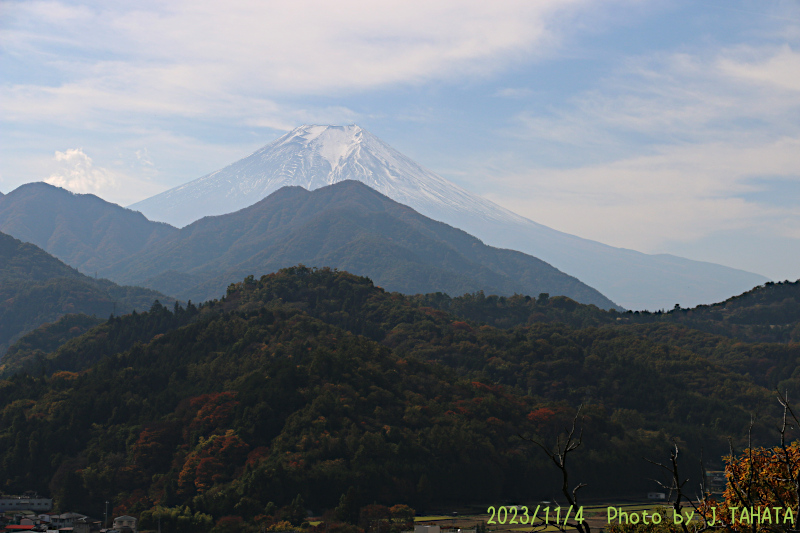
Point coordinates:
pixel 315 156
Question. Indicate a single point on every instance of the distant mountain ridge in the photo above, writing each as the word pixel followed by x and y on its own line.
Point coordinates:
pixel 347 226
pixel 314 156
pixel 80 229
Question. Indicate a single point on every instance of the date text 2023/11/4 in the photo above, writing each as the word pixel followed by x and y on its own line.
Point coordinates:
pixel 519 514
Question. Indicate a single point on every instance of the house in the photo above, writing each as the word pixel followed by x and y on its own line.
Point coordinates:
pixel 125 524
pixel 58 521
pixel 20 522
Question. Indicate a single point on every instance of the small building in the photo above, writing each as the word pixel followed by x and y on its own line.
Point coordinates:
pixel 86 525
pixel 59 521
pixel 656 496
pixel 716 480
pixel 29 501
pixel 125 524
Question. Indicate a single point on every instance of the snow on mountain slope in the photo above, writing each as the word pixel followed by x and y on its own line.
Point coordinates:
pixel 315 156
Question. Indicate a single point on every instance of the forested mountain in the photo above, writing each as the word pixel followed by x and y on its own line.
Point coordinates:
pixel 309 382
pixel 80 229
pixel 347 226
pixel 36 288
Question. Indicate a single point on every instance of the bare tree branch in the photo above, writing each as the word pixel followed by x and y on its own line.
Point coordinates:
pixel 559 457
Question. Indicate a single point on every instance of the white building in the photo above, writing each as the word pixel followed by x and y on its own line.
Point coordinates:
pixel 30 501
pixel 125 524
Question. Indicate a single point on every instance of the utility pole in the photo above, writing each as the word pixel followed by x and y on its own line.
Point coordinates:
pixel 105 522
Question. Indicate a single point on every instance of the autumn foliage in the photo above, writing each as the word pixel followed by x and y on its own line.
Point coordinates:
pixel 212 462
pixel 760 482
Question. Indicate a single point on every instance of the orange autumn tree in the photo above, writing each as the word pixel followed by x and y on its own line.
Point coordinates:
pixel 762 491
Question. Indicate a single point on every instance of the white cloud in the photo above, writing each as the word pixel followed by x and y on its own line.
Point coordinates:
pixel 776 68
pixel 128 182
pixel 78 174
pixel 730 94
pixel 196 58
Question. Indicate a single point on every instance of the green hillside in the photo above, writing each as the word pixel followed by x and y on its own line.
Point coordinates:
pixel 36 288
pixel 309 382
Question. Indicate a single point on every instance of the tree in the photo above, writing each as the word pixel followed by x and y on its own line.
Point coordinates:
pixel 375 518
pixel 295 512
pixel 543 298
pixel 402 517
pixel 676 487
pixel 347 510
pixel 559 454
pixel 762 492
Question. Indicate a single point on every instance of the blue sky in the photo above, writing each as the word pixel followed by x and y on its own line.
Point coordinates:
pixel 662 126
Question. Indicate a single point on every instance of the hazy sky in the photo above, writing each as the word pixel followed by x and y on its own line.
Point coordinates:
pixel 662 126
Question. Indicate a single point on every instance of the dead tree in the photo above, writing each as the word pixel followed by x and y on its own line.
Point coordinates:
pixel 791 465
pixel 676 487
pixel 559 454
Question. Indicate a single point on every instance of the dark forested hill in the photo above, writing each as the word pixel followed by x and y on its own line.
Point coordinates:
pixel 80 229
pixel 309 382
pixel 768 313
pixel 347 226
pixel 36 288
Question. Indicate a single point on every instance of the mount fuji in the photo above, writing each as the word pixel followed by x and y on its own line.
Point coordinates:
pixel 314 156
